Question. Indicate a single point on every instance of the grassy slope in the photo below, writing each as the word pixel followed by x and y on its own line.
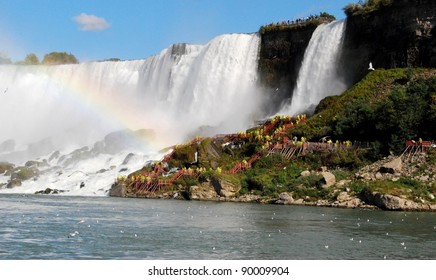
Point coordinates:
pixel 273 175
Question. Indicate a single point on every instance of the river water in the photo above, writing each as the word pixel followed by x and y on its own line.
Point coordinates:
pixel 59 227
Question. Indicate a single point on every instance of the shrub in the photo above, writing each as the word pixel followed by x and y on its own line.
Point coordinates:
pixel 55 58
pixel 365 7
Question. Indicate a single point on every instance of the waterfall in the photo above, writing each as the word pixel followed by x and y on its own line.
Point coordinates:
pixel 177 92
pixel 80 126
pixel 318 76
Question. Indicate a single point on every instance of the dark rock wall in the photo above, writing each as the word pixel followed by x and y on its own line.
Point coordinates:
pixel 400 35
pixel 281 54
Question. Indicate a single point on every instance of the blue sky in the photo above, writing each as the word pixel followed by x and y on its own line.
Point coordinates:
pixel 136 29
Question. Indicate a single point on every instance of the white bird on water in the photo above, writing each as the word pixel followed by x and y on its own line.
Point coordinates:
pixel 72 234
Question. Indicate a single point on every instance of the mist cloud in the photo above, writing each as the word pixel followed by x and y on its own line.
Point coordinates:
pixel 91 22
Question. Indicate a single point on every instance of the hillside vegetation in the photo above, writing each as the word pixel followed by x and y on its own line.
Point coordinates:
pixel 387 108
pixel 330 158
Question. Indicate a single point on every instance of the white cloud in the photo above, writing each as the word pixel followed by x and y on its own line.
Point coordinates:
pixel 91 22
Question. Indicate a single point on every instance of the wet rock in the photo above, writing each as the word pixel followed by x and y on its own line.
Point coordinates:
pixel 285 198
pixel 34 163
pixel 49 191
pixel 5 167
pixel 54 155
pixel 118 190
pixel 13 183
pixel 128 158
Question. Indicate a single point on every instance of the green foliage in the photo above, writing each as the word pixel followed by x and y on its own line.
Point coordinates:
pixel 341 174
pixel 405 187
pixel 25 173
pixel 113 59
pixel 31 59
pixel 431 157
pixel 56 58
pixel 182 155
pixel 386 108
pixel 316 20
pixel 366 7
pixel 270 161
pixel 187 181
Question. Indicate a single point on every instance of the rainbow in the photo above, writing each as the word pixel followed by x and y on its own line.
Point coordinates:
pixel 105 103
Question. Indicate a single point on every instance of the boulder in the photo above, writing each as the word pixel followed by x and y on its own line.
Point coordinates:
pixel 225 188
pixel 328 179
pixel 250 198
pixel 393 166
pixel 13 183
pixel 202 192
pixel 305 173
pixel 379 176
pixel 49 191
pixel 391 202
pixel 424 178
pixel 118 190
pixel 343 196
pixel 285 198
pixel 353 203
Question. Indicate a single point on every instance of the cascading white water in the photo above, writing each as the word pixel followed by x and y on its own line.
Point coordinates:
pixel 181 92
pixel 318 76
pixel 174 93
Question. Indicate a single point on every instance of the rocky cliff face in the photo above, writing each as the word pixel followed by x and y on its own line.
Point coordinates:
pixel 281 54
pixel 400 35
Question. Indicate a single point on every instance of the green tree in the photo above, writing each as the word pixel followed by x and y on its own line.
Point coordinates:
pixel 56 58
pixel 31 59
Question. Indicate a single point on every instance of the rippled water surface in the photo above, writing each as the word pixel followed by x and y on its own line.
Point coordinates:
pixel 56 227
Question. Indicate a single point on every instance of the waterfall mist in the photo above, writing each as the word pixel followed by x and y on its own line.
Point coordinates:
pixel 183 91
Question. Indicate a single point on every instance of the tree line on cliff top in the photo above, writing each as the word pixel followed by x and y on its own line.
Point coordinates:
pixel 364 7
pixel 53 58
